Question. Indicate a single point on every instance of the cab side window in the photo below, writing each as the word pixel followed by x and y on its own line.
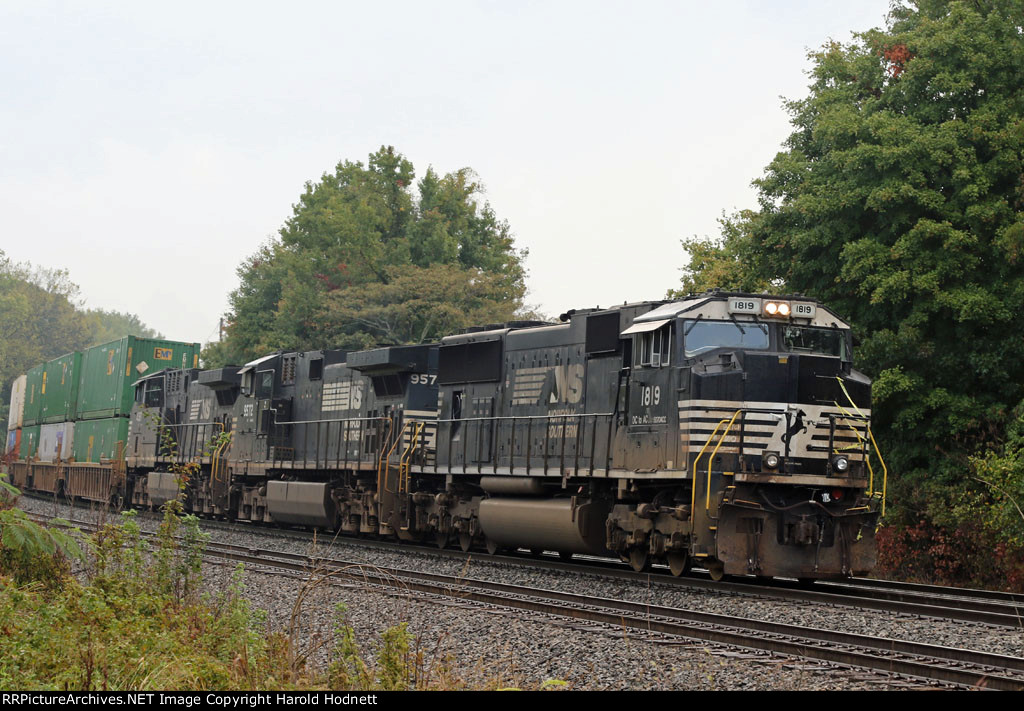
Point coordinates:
pixel 154 393
pixel 654 348
pixel 264 384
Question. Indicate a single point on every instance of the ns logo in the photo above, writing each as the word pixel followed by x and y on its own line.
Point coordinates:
pixel 568 384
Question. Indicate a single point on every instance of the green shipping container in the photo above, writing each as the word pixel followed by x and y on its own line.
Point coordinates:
pixel 97 440
pixel 33 396
pixel 60 389
pixel 108 371
pixel 29 442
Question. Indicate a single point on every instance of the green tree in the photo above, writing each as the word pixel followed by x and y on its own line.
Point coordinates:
pixel 370 255
pixel 898 201
pixel 726 262
pixel 39 320
pixel 111 325
pixel 416 305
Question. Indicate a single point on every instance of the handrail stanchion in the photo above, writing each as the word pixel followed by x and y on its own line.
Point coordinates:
pixel 576 447
pixel 696 469
pixel 547 439
pixel 494 449
pixel 711 459
pixel 512 449
pixel 529 443
pixel 593 445
pixel 608 446
pixel 561 433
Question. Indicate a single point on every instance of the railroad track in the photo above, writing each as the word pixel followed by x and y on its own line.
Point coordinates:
pixel 925 662
pixel 963 605
pixel 987 607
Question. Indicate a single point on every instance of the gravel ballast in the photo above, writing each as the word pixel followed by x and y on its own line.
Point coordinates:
pixel 516 648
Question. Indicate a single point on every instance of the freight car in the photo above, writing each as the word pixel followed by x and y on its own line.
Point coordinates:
pixel 725 429
pixel 69 417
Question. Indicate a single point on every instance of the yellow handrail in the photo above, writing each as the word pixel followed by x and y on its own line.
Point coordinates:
pixel 693 488
pixel 215 457
pixel 380 458
pixel 405 463
pixel 398 441
pixel 885 470
pixel 216 461
pixel 878 453
pixel 387 458
pixel 871 470
pixel 711 459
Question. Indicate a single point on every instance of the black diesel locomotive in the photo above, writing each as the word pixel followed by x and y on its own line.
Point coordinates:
pixel 726 430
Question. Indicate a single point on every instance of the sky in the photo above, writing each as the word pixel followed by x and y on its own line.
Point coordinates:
pixel 149 148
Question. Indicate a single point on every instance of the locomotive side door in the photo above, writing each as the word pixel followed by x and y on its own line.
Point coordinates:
pixel 264 393
pixel 651 396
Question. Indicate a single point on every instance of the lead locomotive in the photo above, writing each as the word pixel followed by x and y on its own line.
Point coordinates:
pixel 727 430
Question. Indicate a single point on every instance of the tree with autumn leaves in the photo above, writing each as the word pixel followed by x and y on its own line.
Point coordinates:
pixel 899 201
pixel 366 259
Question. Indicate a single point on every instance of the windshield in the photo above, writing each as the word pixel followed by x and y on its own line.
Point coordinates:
pixel 827 341
pixel 701 336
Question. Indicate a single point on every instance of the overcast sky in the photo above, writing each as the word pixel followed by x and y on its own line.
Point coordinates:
pixel 148 148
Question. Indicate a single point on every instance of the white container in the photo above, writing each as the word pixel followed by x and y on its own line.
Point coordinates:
pixel 17 403
pixel 55 441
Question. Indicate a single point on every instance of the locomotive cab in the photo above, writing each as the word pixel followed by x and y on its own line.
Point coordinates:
pixel 772 431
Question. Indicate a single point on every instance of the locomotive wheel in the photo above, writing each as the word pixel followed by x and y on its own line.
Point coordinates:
pixel 465 542
pixel 536 552
pixel 441 539
pixel 638 559
pixel 717 570
pixel 492 547
pixel 565 555
pixel 678 563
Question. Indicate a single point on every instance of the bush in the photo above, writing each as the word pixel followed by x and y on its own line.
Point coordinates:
pixel 968 555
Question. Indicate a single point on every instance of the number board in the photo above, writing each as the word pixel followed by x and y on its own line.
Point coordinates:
pixel 804 310
pixel 742 305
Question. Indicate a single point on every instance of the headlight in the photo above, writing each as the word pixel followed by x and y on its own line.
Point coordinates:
pixel 840 463
pixel 777 308
pixel 771 460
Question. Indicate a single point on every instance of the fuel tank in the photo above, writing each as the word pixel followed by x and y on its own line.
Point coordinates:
pixel 563 525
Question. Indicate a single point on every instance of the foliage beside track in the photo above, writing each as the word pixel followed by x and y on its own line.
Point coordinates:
pixel 134 617
pixel 365 260
pixel 899 201
pixel 41 318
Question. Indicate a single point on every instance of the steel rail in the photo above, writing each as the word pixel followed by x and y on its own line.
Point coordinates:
pixel 915 659
pixel 993 608
pixel 930 662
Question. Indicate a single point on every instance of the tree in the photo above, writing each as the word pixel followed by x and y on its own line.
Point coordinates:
pixel 38 321
pixel 364 259
pixel 41 319
pixel 111 325
pixel 416 305
pixel 724 263
pixel 898 201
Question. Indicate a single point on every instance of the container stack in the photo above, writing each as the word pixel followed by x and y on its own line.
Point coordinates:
pixel 30 415
pixel 75 408
pixel 15 419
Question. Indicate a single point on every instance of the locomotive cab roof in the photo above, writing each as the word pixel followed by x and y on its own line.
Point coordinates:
pixel 717 305
pixel 392 359
pixel 226 377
